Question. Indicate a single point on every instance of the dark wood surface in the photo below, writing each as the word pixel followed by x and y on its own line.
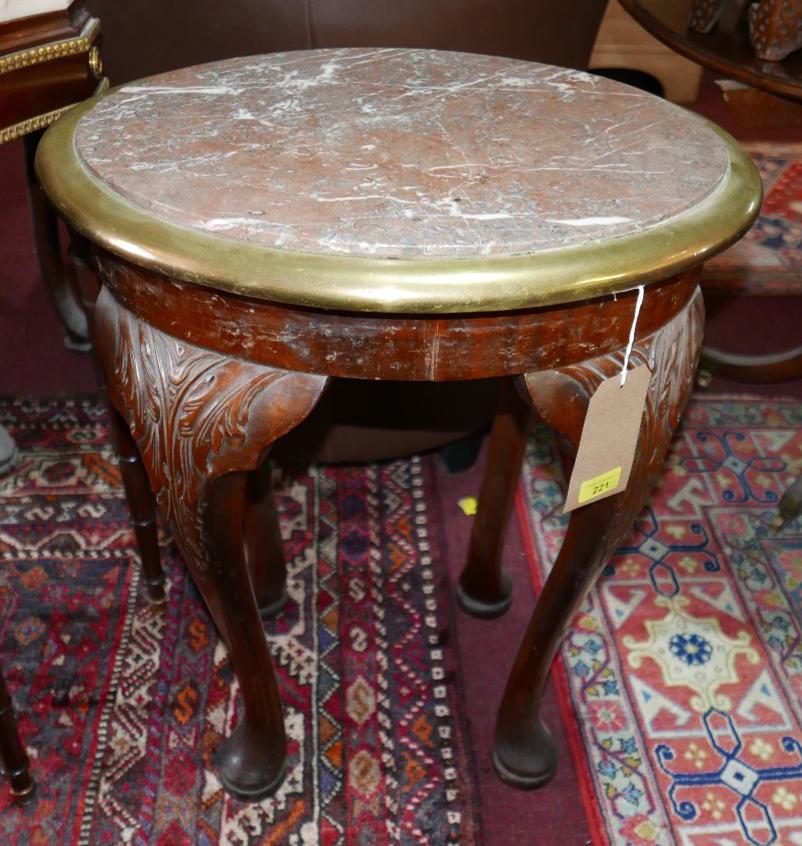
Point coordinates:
pixel 31 31
pixel 207 382
pixel 726 49
pixel 46 84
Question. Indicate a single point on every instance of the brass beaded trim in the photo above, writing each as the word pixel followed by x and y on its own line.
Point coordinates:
pixel 56 50
pixel 17 130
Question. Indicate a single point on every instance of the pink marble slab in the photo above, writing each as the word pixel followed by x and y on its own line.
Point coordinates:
pixel 400 153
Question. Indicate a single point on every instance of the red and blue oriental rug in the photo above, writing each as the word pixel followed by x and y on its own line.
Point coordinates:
pixel 680 680
pixel 681 677
pixel 122 705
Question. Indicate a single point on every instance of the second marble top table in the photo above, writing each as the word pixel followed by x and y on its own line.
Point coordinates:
pixel 263 224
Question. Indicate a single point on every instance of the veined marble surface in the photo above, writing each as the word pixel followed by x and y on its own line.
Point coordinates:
pixel 400 153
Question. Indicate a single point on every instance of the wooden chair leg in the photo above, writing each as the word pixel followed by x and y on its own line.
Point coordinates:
pixel 142 506
pixel 12 754
pixel 264 550
pixel 485 589
pixel 524 753
pixel 48 253
pixel 202 421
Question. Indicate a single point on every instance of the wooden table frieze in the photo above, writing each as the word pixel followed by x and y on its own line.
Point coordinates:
pixel 445 259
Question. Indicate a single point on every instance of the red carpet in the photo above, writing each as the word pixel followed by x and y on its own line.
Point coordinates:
pixel 122 706
pixel 681 675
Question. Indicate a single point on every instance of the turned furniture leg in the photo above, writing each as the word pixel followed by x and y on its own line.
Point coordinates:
pixel 485 589
pixel 201 421
pixel 138 494
pixel 524 753
pixel 12 754
pixel 264 550
pixel 48 253
pixel 142 506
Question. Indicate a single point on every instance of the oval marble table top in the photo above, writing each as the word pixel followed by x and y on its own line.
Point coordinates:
pixel 399 155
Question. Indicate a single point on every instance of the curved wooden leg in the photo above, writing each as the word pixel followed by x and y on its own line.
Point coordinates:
pixel 12 754
pixel 485 589
pixel 264 550
pixel 757 369
pixel 201 421
pixel 48 253
pixel 524 753
pixel 252 761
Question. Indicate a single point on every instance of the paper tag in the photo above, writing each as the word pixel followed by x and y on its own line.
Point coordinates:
pixel 609 439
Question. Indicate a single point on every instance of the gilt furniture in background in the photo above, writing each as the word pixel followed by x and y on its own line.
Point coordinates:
pixel 48 62
pixel 395 215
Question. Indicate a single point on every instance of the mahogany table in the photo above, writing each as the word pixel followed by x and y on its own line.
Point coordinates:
pixel 263 225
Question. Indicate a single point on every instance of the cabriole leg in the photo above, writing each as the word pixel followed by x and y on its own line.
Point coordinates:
pixel 202 422
pixel 524 753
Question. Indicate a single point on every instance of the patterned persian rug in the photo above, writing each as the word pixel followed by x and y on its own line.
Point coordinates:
pixel 681 677
pixel 122 706
pixel 768 260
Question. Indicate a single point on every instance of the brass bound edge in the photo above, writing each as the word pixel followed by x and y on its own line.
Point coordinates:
pixel 408 286
pixel 55 50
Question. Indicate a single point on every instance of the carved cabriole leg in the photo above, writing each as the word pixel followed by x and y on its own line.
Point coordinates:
pixel 202 421
pixel 485 589
pixel 524 753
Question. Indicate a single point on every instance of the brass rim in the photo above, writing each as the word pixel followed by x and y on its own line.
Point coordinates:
pixel 423 286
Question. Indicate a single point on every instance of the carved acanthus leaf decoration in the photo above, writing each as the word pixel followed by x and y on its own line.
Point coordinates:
pixel 194 413
pixel 562 395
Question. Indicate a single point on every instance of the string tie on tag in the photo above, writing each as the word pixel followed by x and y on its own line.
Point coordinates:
pixel 631 342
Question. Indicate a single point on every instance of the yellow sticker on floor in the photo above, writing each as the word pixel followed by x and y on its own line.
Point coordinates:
pixel 468 504
pixel 603 484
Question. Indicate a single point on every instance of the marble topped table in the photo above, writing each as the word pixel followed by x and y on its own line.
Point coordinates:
pixel 264 224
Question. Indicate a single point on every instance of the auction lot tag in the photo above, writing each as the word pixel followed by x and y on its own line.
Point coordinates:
pixel 609 439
